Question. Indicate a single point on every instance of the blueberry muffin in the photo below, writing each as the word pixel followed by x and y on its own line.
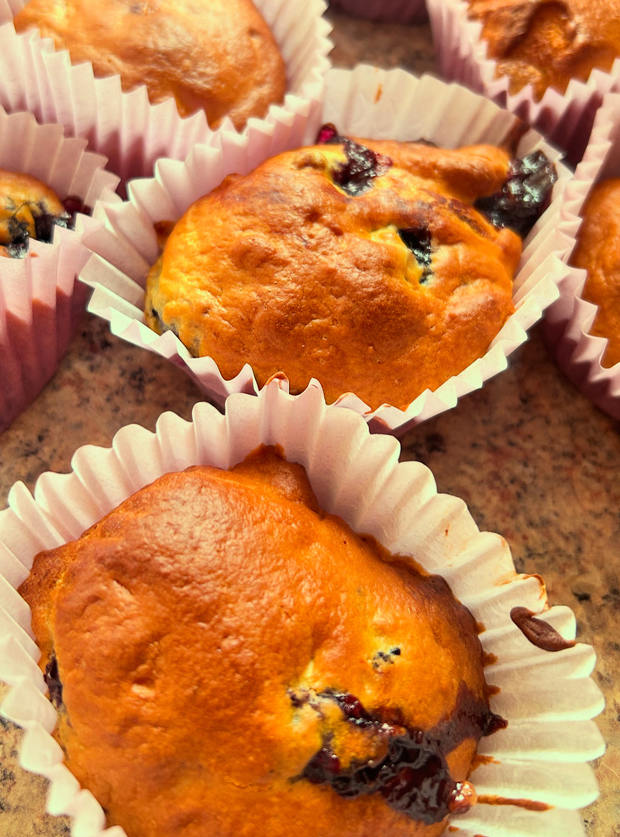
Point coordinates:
pixel 546 44
pixel 227 659
pixel 377 267
pixel 28 209
pixel 215 55
pixel 598 252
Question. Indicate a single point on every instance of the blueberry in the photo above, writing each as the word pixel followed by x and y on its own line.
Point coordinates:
pixel 524 196
pixel 362 165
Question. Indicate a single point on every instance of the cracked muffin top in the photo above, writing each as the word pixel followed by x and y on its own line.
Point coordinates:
pixel 28 209
pixel 546 43
pixel 225 658
pixel 377 267
pixel 598 252
pixel 215 55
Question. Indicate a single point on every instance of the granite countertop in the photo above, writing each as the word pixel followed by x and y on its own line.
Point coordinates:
pixel 532 458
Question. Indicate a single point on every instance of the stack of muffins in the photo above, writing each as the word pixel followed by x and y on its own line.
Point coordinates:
pixel 261 622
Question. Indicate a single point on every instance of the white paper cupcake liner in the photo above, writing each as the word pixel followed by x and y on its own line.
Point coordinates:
pixel 565 119
pixel 124 126
pixel 365 102
pixel 547 698
pixel 569 319
pixel 40 300
pixel 388 11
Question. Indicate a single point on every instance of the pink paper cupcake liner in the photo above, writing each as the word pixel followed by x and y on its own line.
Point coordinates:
pixel 365 102
pixel 565 119
pixel 569 319
pixel 388 11
pixel 40 300
pixel 547 698
pixel 124 126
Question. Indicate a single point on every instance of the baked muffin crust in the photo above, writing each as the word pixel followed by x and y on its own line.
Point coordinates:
pixel 384 290
pixel 218 55
pixel 546 43
pixel 196 641
pixel 598 252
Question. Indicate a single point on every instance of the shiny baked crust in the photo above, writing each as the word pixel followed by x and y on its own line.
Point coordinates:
pixel 598 252
pixel 546 44
pixel 218 55
pixel 196 630
pixel 28 209
pixel 284 270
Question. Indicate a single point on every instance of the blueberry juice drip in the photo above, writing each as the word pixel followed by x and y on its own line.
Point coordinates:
pixel 413 776
pixel 362 165
pixel 524 196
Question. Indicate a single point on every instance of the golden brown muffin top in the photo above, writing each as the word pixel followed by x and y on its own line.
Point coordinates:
pixel 545 42
pixel 219 650
pixel 382 285
pixel 218 55
pixel 28 209
pixel 598 252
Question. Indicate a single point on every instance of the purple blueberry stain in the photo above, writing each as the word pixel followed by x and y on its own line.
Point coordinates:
pixel 412 776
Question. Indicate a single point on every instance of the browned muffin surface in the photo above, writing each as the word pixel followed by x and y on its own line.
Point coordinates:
pixel 598 252
pixel 547 43
pixel 384 280
pixel 224 657
pixel 218 55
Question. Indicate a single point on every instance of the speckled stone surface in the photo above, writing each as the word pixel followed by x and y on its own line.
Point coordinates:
pixel 533 459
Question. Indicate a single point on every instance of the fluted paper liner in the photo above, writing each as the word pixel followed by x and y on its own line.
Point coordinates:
pixel 365 102
pixel 388 11
pixel 125 126
pixel 568 321
pixel 40 300
pixel 565 118
pixel 547 698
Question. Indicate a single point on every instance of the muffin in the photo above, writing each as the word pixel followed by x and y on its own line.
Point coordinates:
pixel 226 658
pixel 377 267
pixel 217 56
pixel 28 209
pixel 547 44
pixel 47 183
pixel 598 252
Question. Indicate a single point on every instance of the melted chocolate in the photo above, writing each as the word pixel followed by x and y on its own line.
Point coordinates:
pixel 362 166
pixel 53 682
pixel 413 776
pixel 524 196
pixel 538 632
